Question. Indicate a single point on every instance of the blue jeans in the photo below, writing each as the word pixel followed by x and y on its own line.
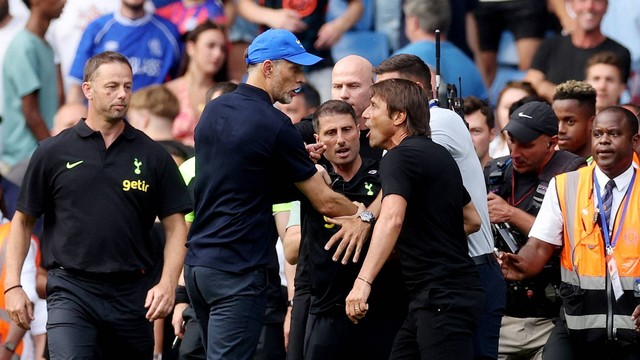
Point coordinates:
pixel 229 308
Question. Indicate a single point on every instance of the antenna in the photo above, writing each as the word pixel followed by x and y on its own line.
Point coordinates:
pixel 437 61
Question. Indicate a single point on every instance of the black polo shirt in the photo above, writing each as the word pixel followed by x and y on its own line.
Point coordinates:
pixel 332 281
pixel 99 204
pixel 248 155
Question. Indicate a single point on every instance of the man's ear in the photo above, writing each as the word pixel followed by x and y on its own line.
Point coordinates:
pixel 86 90
pixel 399 117
pixel 315 136
pixel 635 141
pixel 267 68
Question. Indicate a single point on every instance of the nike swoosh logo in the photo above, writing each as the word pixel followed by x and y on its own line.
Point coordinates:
pixel 524 115
pixel 72 165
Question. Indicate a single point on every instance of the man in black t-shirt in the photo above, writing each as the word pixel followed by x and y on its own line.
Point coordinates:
pixel 329 332
pixel 564 57
pixel 100 186
pixel 426 213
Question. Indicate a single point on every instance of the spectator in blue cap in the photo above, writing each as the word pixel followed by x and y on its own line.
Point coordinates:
pixel 248 156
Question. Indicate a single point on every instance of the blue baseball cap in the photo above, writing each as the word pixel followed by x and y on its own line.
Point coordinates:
pixel 278 44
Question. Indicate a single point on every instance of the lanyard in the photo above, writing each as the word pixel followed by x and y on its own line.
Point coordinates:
pixel 605 227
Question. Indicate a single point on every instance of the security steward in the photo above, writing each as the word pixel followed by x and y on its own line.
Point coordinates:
pixel 591 215
pixel 100 186
pixel 516 185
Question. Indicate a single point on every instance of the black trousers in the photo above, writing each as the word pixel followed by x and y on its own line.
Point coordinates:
pixel 440 325
pixel 559 346
pixel 97 318
pixel 334 336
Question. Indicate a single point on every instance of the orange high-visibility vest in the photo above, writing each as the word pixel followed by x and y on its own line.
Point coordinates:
pixel 592 313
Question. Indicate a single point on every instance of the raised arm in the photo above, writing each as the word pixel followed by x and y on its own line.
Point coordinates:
pixel 324 200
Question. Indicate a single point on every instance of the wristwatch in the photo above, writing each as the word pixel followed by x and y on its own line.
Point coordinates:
pixel 11 347
pixel 368 217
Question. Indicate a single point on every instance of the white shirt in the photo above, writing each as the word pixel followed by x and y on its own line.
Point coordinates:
pixel 548 225
pixel 448 130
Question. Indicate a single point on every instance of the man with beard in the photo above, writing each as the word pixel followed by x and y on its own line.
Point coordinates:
pixel 249 155
pixel 100 186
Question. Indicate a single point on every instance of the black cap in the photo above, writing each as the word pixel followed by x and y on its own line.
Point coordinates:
pixel 531 120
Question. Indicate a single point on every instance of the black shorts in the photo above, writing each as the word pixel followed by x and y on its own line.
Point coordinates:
pixel 524 18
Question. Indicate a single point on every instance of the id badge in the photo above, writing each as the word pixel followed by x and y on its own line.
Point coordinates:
pixel 615 277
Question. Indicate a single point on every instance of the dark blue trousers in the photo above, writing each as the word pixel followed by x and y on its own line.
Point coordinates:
pixel 230 309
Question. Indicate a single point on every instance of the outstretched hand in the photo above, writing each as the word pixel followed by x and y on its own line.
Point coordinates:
pixel 512 266
pixel 351 237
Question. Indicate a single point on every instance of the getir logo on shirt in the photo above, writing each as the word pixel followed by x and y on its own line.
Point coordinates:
pixel 135 185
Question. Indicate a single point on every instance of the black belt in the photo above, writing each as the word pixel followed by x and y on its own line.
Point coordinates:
pixel 118 276
pixel 484 258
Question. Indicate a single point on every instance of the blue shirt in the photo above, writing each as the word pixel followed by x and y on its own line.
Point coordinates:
pixel 454 64
pixel 248 155
pixel 151 43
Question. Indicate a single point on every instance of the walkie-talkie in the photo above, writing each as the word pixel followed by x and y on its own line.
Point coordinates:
pixel 448 95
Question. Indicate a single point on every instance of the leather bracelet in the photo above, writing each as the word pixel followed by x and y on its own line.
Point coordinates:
pixel 359 278
pixel 11 288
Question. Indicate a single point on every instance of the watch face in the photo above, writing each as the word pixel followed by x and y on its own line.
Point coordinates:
pixel 367 216
pixel 10 346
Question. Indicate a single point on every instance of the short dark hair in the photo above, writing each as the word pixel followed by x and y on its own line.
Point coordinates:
pixel 580 91
pixel 630 118
pixel 607 58
pixel 408 66
pixel 473 104
pixel 408 97
pixel 223 86
pixel 106 57
pixel 332 107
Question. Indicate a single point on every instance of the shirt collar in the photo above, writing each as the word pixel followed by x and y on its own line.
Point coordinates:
pixel 252 91
pixel 622 181
pixel 85 131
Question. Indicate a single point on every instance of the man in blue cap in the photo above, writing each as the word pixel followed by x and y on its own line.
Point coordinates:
pixel 248 156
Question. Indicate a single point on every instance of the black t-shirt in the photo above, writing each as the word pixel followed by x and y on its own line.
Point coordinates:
pixel 432 244
pixel 560 60
pixel 248 156
pixel 99 204
pixel 331 281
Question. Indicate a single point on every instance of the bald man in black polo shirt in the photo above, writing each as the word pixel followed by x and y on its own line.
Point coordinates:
pixel 100 185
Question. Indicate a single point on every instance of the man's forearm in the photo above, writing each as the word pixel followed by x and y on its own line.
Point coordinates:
pixel 521 220
pixel 351 15
pixel 174 249
pixel 18 244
